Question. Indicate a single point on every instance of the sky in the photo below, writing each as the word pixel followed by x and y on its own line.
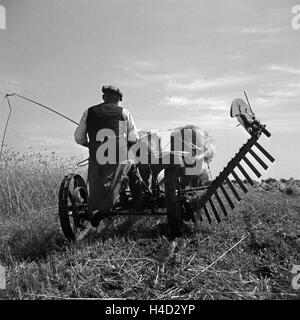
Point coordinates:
pixel 176 62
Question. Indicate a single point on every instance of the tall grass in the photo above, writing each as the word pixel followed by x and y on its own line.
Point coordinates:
pixel 29 226
pixel 30 181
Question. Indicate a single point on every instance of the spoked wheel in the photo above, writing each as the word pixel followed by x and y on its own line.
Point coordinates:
pixel 174 211
pixel 73 205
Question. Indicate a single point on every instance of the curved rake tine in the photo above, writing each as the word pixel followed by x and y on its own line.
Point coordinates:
pixel 258 159
pixel 245 174
pixel 227 197
pixel 266 153
pixel 232 189
pixel 221 203
pixel 214 210
pixel 237 179
pixel 251 166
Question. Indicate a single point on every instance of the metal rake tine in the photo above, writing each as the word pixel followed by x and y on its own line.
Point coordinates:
pixel 245 174
pixel 266 153
pixel 232 189
pixel 238 180
pixel 258 159
pixel 251 166
pixel 207 214
pixel 221 203
pixel 214 211
pixel 227 196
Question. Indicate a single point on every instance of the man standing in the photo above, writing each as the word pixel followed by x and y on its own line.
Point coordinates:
pixel 105 179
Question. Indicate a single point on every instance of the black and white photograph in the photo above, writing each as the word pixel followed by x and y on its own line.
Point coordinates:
pixel 149 153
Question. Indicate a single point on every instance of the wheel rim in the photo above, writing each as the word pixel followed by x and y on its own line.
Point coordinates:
pixel 73 199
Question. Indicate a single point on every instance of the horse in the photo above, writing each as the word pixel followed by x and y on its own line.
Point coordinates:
pixel 197 150
pixel 190 143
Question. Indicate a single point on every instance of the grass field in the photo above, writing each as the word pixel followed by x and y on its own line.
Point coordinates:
pixel 250 255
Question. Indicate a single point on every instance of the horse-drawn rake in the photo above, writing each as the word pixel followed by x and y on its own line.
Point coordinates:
pixel 174 200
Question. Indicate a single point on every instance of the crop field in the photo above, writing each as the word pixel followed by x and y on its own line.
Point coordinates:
pixel 250 255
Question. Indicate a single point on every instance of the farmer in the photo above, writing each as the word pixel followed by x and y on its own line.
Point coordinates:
pixel 105 179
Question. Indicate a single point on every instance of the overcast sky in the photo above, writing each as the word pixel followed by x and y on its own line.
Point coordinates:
pixel 177 62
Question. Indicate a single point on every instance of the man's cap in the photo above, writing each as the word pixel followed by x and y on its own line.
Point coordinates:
pixel 112 89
